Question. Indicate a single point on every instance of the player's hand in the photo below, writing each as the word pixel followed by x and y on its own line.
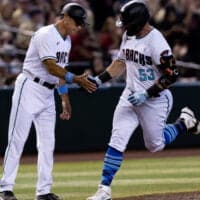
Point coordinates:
pixel 83 81
pixel 94 80
pixel 138 98
pixel 66 108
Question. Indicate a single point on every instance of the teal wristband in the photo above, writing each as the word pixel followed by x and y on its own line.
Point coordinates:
pixel 69 77
pixel 62 89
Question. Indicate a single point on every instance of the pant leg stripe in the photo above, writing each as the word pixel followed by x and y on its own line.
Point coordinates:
pixel 15 119
pixel 167 104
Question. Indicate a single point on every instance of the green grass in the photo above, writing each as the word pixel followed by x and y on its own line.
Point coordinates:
pixel 77 180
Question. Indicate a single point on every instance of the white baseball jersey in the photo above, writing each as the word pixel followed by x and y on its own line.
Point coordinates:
pixel 141 56
pixel 47 43
pixel 35 103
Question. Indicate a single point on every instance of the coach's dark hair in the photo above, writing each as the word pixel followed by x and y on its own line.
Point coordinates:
pixel 76 12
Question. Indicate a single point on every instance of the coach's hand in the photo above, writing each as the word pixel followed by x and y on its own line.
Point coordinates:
pixel 83 81
pixel 66 108
pixel 138 98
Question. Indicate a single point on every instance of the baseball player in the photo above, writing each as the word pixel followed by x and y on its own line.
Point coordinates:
pixel 146 100
pixel 33 99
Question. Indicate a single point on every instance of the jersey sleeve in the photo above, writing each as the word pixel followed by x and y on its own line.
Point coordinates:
pixel 160 47
pixel 45 46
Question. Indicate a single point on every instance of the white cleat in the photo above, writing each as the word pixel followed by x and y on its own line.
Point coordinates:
pixel 103 193
pixel 197 129
pixel 188 118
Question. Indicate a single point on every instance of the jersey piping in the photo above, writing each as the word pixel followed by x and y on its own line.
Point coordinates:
pixel 15 119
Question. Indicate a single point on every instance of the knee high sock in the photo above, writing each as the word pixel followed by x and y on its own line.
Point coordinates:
pixel 112 162
pixel 172 130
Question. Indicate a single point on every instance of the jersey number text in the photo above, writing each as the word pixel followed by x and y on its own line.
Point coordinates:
pixel 146 74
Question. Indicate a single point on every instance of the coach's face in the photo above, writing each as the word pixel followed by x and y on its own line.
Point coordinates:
pixel 71 26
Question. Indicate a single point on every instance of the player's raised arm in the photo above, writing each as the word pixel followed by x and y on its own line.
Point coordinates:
pixel 116 68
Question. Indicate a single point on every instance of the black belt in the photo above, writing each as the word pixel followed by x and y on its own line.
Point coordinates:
pixel 45 84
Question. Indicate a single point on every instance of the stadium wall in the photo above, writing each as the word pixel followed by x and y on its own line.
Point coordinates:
pixel 91 123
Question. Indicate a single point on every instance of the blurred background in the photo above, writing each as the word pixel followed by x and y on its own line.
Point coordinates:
pixel 93 49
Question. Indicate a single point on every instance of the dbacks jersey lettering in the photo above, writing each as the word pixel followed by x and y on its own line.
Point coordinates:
pixel 142 55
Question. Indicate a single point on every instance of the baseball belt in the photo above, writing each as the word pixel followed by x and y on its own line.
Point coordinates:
pixel 38 80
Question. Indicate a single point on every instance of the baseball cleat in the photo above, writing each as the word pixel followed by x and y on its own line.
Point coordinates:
pixel 103 193
pixel 49 196
pixel 197 131
pixel 188 118
pixel 7 195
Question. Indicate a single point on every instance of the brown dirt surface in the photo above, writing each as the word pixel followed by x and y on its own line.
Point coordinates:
pixel 172 196
pixel 133 154
pixel 130 154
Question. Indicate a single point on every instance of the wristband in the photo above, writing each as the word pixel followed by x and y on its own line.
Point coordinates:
pixel 62 89
pixel 69 77
pixel 154 90
pixel 104 76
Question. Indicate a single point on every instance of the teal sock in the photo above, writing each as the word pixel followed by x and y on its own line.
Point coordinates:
pixel 172 130
pixel 112 163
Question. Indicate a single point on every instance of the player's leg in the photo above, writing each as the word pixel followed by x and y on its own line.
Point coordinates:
pixel 152 116
pixel 45 130
pixel 156 132
pixel 186 122
pixel 19 126
pixel 124 123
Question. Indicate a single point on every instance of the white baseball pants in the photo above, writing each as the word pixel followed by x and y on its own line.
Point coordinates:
pixel 35 103
pixel 151 115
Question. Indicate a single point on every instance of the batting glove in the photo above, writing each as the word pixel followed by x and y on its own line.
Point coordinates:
pixel 138 98
pixel 95 80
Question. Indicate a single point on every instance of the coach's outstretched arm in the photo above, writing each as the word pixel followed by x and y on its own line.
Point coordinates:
pixel 69 77
pixel 116 68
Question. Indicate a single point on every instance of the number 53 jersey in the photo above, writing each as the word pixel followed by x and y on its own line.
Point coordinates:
pixel 142 55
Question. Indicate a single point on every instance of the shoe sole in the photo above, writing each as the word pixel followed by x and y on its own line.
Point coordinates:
pixel 105 199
